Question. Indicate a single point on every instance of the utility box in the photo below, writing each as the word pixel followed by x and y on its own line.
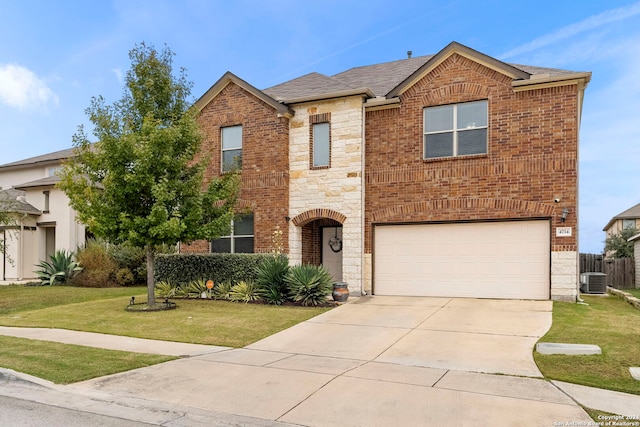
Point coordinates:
pixel 593 283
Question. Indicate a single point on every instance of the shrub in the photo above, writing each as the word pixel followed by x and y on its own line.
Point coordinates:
pixel 99 268
pixel 125 277
pixel 309 284
pixel 183 268
pixel 132 258
pixel 244 292
pixel 270 277
pixel 60 268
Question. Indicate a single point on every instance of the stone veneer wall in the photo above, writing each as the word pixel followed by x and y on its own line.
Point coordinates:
pixel 532 158
pixel 338 188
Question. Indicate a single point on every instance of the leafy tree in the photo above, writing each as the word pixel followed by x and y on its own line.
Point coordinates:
pixel 5 220
pixel 618 245
pixel 142 182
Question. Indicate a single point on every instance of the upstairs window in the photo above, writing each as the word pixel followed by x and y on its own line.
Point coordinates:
pixel 231 148
pixel 240 239
pixel 320 136
pixel 455 130
pixel 628 223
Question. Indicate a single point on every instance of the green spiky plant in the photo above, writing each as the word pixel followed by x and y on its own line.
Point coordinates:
pixel 245 292
pixel 60 268
pixel 270 277
pixel 309 284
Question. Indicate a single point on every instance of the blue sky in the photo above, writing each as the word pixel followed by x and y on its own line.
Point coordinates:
pixel 54 56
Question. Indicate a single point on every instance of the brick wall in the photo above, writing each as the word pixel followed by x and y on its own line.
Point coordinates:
pixel 265 161
pixel 531 157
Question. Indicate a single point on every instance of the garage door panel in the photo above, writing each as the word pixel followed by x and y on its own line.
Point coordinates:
pixel 490 260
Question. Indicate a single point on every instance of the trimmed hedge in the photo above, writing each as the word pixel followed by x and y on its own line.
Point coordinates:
pixel 181 269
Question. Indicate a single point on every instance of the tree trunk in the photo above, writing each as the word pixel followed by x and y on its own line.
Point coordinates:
pixel 151 295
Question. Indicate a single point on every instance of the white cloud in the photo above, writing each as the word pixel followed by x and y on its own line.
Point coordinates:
pixel 23 89
pixel 118 73
pixel 563 33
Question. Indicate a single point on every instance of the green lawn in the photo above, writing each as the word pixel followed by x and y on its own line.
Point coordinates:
pixel 194 321
pixel 608 322
pixel 64 363
pixel 103 310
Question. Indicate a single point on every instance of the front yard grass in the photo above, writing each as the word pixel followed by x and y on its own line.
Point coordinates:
pixel 634 292
pixel 103 310
pixel 65 364
pixel 608 322
pixel 194 321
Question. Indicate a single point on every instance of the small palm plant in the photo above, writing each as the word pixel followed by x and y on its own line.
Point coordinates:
pixel 309 284
pixel 245 292
pixel 60 268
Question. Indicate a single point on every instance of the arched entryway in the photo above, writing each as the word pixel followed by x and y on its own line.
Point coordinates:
pixel 321 234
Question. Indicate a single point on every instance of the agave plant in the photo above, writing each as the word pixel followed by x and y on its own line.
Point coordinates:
pixel 309 284
pixel 193 289
pixel 270 277
pixel 222 291
pixel 60 268
pixel 245 292
pixel 166 289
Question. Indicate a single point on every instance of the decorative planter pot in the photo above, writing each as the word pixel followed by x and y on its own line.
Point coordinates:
pixel 340 292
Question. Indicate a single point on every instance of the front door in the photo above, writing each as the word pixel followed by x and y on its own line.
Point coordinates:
pixel 332 251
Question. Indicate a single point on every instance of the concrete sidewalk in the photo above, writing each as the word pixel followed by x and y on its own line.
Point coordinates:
pixel 378 361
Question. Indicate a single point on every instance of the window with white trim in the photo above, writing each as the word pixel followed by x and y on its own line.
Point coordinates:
pixel 240 239
pixel 231 148
pixel 455 130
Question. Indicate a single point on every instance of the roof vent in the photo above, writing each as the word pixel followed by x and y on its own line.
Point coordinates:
pixel 409 53
pixel 21 199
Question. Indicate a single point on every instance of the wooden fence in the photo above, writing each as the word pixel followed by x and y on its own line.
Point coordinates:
pixel 620 271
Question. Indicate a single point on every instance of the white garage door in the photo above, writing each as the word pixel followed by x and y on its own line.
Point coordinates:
pixel 479 260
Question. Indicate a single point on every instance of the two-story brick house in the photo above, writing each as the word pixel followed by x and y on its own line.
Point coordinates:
pixel 453 174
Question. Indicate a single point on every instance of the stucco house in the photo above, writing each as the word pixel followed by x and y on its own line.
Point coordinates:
pixel 636 256
pixel 452 174
pixel 44 221
pixel 629 218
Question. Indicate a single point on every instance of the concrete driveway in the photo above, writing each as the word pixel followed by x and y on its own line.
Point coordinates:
pixel 376 361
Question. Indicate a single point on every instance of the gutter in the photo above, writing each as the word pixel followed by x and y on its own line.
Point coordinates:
pixel 339 94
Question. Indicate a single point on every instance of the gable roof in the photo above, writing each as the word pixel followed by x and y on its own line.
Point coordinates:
pixel 12 200
pixel 229 77
pixel 390 79
pixel 631 213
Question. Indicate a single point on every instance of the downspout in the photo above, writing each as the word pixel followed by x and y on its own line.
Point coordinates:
pixel 581 88
pixel 362 201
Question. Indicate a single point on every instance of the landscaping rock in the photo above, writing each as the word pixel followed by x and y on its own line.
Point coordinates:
pixel 635 373
pixel 573 349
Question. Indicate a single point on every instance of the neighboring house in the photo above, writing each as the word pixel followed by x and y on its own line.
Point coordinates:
pixel 636 256
pixel 44 221
pixel 443 175
pixel 626 219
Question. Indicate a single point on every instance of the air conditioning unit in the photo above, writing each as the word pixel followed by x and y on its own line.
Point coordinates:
pixel 593 283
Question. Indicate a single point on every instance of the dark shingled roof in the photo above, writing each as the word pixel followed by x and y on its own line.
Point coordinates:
pixel 44 182
pixel 44 158
pixel 379 78
pixel 12 200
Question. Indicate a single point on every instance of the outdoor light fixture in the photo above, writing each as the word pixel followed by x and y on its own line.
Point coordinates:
pixel 564 214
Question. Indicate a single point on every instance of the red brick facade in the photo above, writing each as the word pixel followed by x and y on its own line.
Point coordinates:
pixel 531 158
pixel 265 161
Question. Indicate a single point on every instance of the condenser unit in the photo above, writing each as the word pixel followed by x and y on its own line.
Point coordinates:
pixel 593 283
